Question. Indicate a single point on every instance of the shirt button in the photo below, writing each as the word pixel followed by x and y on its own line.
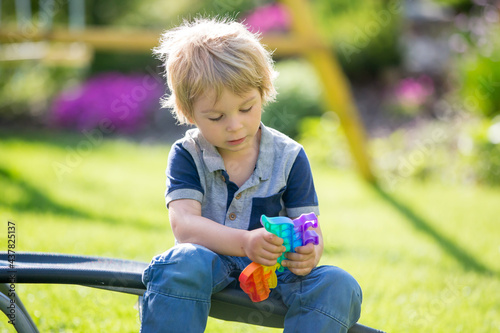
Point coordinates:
pixel 238 196
pixel 232 216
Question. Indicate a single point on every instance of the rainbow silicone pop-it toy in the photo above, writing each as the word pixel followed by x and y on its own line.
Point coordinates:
pixel 257 280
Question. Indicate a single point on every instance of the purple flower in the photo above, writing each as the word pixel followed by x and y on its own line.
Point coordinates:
pixel 124 101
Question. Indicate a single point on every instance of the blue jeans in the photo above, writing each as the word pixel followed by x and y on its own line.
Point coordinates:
pixel 181 281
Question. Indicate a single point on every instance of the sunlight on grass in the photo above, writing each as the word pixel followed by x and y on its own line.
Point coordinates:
pixel 414 280
pixel 425 255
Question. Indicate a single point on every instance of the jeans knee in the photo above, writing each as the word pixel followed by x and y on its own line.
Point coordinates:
pixel 182 269
pixel 346 290
pixel 343 281
pixel 328 294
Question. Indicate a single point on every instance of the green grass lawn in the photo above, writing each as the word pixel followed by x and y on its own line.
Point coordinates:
pixel 426 255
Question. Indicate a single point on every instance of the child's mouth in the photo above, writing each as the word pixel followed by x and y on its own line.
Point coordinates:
pixel 236 142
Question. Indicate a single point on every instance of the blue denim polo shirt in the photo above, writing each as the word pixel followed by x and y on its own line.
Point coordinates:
pixel 281 184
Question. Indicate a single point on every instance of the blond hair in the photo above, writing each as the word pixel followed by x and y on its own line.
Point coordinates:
pixel 213 54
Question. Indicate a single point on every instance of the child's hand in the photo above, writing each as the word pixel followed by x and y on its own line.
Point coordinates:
pixel 302 261
pixel 263 247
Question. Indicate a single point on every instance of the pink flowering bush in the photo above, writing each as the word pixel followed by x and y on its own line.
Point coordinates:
pixel 122 102
pixel 412 93
pixel 268 18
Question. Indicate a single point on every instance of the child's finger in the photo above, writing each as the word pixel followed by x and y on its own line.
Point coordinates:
pixel 294 256
pixel 306 249
pixel 267 258
pixel 267 262
pixel 298 267
pixel 274 248
pixel 273 239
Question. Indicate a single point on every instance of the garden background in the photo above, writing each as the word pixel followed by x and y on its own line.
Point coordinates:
pixel 83 148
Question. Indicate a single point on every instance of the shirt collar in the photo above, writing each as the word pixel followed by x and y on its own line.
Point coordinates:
pixel 210 155
pixel 266 154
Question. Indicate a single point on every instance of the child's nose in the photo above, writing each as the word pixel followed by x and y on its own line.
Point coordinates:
pixel 234 124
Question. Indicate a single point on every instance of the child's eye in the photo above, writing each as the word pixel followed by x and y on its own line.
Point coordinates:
pixel 247 110
pixel 216 119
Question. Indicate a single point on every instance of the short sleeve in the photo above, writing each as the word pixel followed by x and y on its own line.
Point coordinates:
pixel 300 195
pixel 183 180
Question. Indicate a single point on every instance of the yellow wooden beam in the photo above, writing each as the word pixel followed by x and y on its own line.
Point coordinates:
pixel 112 39
pixel 96 37
pixel 290 45
pixel 337 89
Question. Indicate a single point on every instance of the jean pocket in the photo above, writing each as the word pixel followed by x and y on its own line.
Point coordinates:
pixel 269 206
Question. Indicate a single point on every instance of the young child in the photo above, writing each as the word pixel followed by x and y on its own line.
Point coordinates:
pixel 221 177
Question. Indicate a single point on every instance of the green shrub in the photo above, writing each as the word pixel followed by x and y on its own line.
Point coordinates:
pixel 325 141
pixel 481 84
pixel 486 155
pixel 299 96
pixel 363 33
pixel 27 87
pixel 477 60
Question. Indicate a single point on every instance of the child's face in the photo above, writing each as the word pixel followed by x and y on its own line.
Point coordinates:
pixel 231 124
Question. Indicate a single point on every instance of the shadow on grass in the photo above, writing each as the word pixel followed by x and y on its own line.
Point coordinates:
pixel 36 201
pixel 461 255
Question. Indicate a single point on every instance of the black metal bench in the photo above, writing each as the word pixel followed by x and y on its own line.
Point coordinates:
pixel 121 276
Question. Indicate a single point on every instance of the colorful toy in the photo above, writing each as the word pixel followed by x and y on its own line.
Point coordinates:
pixel 293 232
pixel 256 280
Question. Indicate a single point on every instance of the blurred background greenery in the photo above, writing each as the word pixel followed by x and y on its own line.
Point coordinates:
pixel 412 66
pixel 425 76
